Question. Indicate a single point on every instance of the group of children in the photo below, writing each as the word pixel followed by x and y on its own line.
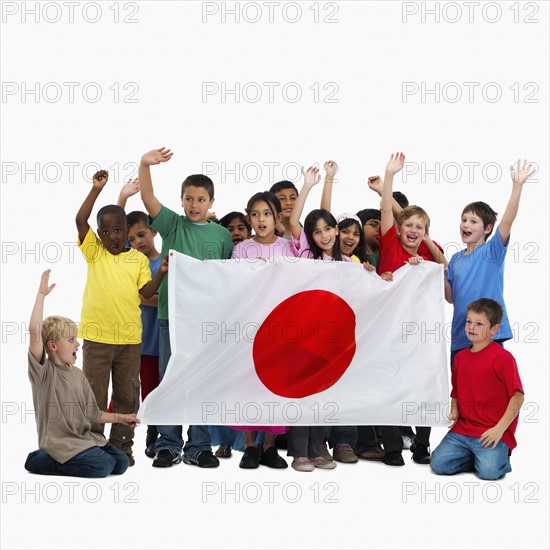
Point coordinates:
pixel 124 325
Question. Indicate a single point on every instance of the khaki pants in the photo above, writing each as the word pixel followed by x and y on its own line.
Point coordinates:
pixel 99 362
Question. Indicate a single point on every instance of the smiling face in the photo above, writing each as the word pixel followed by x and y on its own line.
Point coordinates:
pixel 349 238
pixel 263 221
pixel 112 232
pixel 196 202
pixel 472 231
pixel 239 231
pixel 411 232
pixel 142 238
pixel 288 199
pixel 324 236
pixel 479 330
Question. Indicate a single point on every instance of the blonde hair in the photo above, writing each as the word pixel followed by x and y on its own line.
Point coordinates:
pixel 411 211
pixel 56 327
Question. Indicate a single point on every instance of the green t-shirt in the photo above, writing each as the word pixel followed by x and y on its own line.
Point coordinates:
pixel 206 241
pixel 373 259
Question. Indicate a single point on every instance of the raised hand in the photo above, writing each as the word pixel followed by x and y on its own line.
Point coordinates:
pixel 100 179
pixel 330 168
pixel 156 156
pixel 395 163
pixel 129 189
pixel 522 173
pixel 311 175
pixel 45 288
pixel 376 184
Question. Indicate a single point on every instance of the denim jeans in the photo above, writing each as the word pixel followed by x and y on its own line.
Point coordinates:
pixel 459 453
pixel 170 437
pixel 341 434
pixel 93 462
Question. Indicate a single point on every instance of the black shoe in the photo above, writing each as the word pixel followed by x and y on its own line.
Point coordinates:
pixel 393 458
pixel 250 458
pixel 203 459
pixel 421 453
pixel 131 459
pixel 150 451
pixel 271 459
pixel 166 458
pixel 281 441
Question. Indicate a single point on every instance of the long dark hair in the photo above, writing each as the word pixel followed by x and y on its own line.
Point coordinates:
pixel 310 224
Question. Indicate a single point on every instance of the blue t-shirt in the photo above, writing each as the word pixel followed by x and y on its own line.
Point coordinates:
pixel 479 274
pixel 149 318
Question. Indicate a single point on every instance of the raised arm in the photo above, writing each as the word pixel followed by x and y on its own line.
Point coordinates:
pixel 83 215
pixel 520 175
pixel 375 183
pixel 326 198
pixel 36 346
pixel 394 165
pixel 311 178
pixel 129 189
pixel 439 257
pixel 156 156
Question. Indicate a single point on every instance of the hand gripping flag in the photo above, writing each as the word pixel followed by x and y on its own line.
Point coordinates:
pixel 294 341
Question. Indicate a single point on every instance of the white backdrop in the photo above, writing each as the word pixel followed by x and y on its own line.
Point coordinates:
pixel 246 96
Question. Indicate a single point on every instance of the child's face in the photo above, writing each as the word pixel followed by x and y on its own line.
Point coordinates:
pixel 479 329
pixel 142 238
pixel 288 199
pixel 112 232
pixel 239 231
pixel 65 349
pixel 370 233
pixel 411 233
pixel 325 236
pixel 196 202
pixel 349 239
pixel 472 230
pixel 262 220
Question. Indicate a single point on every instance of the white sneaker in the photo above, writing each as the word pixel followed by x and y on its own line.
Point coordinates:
pixel 407 441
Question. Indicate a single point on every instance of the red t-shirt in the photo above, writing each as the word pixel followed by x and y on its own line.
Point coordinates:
pixel 483 383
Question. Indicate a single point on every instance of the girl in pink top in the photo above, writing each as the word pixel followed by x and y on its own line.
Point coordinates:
pixel 264 212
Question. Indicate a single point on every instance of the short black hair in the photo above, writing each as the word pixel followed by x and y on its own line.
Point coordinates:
pixel 401 199
pixel 111 209
pixel 227 219
pixel 369 214
pixel 198 180
pixel 284 184
pixel 490 308
pixel 137 217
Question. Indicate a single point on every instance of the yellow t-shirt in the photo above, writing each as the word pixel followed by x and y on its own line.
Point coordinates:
pixel 110 305
pixel 356 259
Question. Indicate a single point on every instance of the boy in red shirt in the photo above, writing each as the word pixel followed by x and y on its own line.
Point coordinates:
pixel 486 397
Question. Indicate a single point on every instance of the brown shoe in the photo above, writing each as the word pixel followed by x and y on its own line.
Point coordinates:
pixel 372 454
pixel 224 451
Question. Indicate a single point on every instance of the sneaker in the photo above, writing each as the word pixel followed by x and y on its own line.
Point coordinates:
pixel 393 458
pixel 203 459
pixel 302 464
pixel 325 452
pixel 407 441
pixel 166 458
pixel 421 453
pixel 344 453
pixel 250 459
pixel 320 462
pixel 224 451
pixel 270 458
pixel 150 451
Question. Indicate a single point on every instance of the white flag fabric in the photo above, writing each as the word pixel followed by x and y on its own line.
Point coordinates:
pixel 295 341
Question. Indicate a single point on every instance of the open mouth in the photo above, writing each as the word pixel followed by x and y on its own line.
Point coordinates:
pixel 412 238
pixel 237 239
pixel 466 234
pixel 349 244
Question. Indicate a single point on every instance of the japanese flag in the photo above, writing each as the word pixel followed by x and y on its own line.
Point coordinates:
pixel 295 341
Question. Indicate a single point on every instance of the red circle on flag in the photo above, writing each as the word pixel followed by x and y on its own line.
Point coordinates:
pixel 305 344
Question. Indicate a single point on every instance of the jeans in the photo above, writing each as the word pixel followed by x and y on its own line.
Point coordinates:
pixel 341 434
pixel 459 453
pixel 170 437
pixel 93 462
